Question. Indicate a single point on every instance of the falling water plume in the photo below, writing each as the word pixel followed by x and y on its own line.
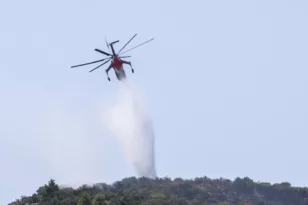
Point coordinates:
pixel 129 122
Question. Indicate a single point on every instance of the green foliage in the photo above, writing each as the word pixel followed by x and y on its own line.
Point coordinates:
pixel 17 202
pixel 161 191
pixel 85 199
pixel 224 203
pixel 99 199
pixel 47 193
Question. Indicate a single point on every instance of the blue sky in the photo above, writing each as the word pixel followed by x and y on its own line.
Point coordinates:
pixel 224 82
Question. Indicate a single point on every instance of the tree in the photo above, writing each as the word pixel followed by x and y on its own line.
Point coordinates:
pixel 85 199
pixel 17 202
pixel 49 191
pixel 99 199
pixel 224 203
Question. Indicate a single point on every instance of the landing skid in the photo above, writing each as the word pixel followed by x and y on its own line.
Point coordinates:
pixel 120 74
pixel 131 67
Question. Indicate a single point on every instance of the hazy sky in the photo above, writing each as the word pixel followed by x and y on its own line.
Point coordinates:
pixel 225 83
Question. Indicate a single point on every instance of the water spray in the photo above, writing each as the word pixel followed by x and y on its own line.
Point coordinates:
pixel 129 122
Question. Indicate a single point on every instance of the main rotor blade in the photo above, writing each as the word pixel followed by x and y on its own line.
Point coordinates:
pixel 138 45
pixel 127 43
pixel 124 56
pixel 103 52
pixel 100 65
pixel 107 44
pixel 89 63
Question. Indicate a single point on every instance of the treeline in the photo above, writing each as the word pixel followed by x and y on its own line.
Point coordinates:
pixel 160 191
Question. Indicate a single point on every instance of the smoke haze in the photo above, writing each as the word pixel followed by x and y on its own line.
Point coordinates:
pixel 129 123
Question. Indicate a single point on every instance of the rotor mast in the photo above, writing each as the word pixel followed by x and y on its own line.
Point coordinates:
pixel 111 45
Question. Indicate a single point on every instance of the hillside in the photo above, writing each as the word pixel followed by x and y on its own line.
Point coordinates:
pixel 160 191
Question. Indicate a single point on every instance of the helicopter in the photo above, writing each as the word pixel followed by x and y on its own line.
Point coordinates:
pixel 116 60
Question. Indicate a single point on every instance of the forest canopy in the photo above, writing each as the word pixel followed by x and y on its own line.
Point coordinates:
pixel 158 191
